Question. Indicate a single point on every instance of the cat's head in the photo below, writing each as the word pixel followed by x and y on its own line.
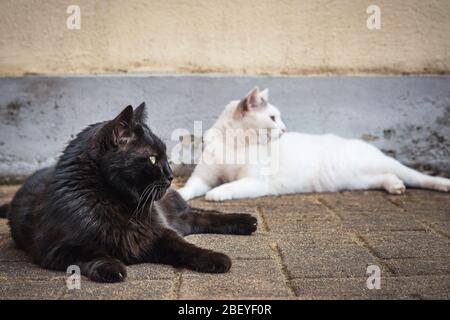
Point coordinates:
pixel 134 158
pixel 254 112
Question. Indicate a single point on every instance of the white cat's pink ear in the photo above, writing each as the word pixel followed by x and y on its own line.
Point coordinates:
pixel 264 94
pixel 251 100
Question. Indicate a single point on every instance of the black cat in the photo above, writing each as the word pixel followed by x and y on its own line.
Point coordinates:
pixel 107 204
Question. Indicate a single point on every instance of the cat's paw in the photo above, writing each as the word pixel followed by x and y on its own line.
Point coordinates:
pixel 396 188
pixel 185 193
pixel 211 262
pixel 445 187
pixel 243 223
pixel 107 271
pixel 440 186
pixel 218 194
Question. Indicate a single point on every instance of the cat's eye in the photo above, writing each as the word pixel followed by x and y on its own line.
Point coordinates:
pixel 152 159
pixel 273 118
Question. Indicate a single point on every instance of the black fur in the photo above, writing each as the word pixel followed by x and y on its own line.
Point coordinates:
pixel 105 205
pixel 4 210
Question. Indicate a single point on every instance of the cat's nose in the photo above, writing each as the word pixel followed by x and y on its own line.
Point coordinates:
pixel 167 173
pixel 168 181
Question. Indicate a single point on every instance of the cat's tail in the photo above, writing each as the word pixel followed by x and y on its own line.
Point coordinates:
pixel 4 210
pixel 414 178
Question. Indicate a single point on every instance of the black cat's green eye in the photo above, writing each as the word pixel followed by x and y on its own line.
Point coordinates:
pixel 152 159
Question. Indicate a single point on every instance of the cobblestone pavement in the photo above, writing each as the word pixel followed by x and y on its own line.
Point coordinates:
pixel 314 246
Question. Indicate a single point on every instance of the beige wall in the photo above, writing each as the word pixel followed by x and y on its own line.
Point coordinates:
pixel 252 36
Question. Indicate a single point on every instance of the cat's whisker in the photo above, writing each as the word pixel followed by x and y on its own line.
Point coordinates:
pixel 142 205
pixel 151 205
pixel 146 200
pixel 141 198
pixel 157 195
pixel 151 195
pixel 146 191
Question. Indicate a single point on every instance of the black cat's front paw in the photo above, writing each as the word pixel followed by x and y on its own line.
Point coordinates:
pixel 211 262
pixel 243 223
pixel 107 271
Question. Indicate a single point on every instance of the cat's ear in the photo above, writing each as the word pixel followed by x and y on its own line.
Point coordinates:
pixel 125 117
pixel 121 126
pixel 249 102
pixel 140 113
pixel 264 94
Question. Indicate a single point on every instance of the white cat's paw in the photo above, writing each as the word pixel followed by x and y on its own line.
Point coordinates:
pixel 185 193
pixel 397 187
pixel 446 187
pixel 441 187
pixel 218 194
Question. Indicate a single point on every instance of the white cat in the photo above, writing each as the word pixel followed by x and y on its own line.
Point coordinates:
pixel 291 162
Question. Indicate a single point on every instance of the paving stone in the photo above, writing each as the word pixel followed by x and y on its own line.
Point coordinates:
pixel 430 205
pixel 414 197
pixel 379 222
pixel 324 237
pixel 150 271
pixel 237 247
pixel 348 288
pixel 428 287
pixel 326 260
pixel 360 203
pixel 309 216
pixel 22 270
pixel 31 289
pixel 142 290
pixel 416 287
pixel 408 244
pixel 25 270
pixel 246 279
pixel 8 251
pixel 293 200
pixel 307 208
pixel 294 225
pixel 285 216
pixel 439 226
pixel 414 266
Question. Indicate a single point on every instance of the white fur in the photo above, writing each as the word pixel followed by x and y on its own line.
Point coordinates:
pixel 297 162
